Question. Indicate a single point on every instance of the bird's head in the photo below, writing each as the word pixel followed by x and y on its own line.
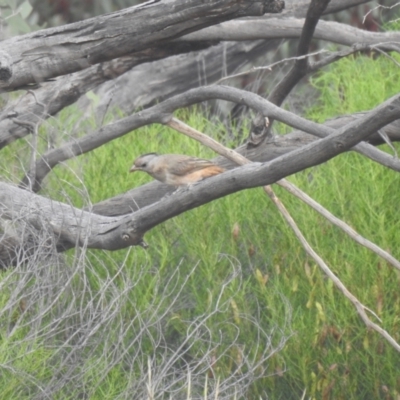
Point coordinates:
pixel 143 162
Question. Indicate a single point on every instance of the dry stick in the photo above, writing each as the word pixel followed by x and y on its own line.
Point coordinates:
pixel 187 130
pixel 33 127
pixel 270 66
pixel 312 67
pixel 31 175
pixel 338 283
pixel 376 8
pixel 239 159
pixel 339 223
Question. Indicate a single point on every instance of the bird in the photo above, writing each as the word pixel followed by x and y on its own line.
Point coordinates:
pixel 176 169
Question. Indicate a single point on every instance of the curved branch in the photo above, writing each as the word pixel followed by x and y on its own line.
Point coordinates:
pixel 291 28
pixel 72 227
pixel 161 113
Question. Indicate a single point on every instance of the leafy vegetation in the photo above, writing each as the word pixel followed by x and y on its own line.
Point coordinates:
pixel 221 287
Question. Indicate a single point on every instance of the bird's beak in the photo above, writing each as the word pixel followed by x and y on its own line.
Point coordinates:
pixel 133 169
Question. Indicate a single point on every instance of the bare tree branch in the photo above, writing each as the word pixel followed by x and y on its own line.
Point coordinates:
pixel 76 227
pixel 161 113
pixel 68 89
pixel 57 51
pixel 291 28
pixel 139 87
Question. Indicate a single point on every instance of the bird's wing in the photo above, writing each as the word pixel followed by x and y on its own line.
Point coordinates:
pixel 183 165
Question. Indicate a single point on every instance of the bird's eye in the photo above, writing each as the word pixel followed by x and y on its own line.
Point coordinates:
pixel 144 165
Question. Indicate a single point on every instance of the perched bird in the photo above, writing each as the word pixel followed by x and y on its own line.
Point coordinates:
pixel 175 169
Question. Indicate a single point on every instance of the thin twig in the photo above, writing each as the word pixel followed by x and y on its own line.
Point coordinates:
pixel 338 222
pixel 187 130
pixel 312 67
pixel 269 67
pixel 33 127
pixel 387 140
pixel 378 7
pixel 359 306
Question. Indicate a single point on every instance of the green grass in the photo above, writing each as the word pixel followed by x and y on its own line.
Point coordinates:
pixel 356 83
pixel 330 353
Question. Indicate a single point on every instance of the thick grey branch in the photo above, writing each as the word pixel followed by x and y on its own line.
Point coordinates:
pixel 290 28
pixel 70 225
pixel 67 89
pixel 76 227
pixel 57 51
pixel 136 90
pixel 264 174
